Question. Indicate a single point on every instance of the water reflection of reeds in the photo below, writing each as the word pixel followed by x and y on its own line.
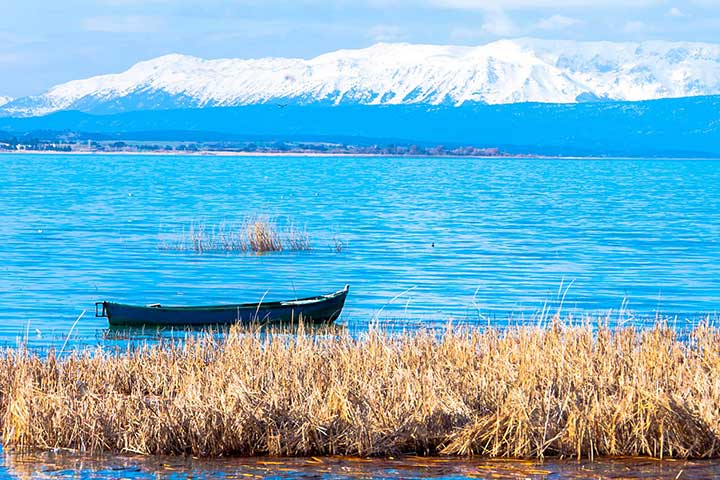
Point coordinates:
pixel 63 464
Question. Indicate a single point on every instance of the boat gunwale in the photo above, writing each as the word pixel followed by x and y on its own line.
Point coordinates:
pixel 299 302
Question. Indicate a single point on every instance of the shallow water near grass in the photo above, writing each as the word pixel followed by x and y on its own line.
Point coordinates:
pixel 425 241
pixel 62 465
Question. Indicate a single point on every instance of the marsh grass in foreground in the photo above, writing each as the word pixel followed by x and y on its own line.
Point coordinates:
pixel 523 392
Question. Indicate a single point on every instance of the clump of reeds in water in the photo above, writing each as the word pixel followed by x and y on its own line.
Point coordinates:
pixel 523 392
pixel 253 235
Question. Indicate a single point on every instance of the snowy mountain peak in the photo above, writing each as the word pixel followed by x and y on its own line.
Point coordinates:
pixel 4 100
pixel 504 71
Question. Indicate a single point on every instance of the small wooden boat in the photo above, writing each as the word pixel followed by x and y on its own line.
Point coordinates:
pixel 323 309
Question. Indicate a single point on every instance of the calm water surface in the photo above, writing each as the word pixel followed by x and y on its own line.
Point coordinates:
pixel 509 236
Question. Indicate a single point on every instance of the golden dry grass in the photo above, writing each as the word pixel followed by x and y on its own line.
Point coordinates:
pixel 262 236
pixel 525 392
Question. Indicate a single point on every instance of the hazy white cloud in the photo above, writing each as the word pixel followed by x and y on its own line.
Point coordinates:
pixel 676 12
pixel 133 3
pixel 242 30
pixel 11 39
pixel 10 58
pixel 497 23
pixel 466 35
pixel 704 3
pixel 634 26
pixel 121 24
pixel 385 33
pixel 556 22
pixel 521 4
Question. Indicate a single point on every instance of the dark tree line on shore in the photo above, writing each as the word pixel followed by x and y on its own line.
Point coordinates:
pixel 70 145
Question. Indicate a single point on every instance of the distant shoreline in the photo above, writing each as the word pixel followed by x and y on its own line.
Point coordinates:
pixel 218 153
pixel 214 153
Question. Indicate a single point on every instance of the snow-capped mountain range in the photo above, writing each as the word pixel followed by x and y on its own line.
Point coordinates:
pixel 4 100
pixel 505 71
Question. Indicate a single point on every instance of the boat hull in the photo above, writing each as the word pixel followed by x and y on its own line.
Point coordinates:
pixel 323 309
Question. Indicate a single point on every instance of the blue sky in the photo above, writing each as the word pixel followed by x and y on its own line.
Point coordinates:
pixel 43 43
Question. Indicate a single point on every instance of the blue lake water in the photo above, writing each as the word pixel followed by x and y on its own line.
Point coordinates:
pixel 425 240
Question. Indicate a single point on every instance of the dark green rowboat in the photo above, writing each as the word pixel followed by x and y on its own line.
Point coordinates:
pixel 322 309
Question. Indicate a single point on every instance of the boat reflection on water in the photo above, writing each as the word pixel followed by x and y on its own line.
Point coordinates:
pixel 128 337
pixel 69 465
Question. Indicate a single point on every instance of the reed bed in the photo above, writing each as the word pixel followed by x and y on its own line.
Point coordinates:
pixel 257 235
pixel 524 392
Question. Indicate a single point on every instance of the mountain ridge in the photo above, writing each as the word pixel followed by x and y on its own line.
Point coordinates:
pixel 501 72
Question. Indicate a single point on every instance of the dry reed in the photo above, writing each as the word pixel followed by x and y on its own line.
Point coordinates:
pixel 523 392
pixel 253 235
pixel 338 245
